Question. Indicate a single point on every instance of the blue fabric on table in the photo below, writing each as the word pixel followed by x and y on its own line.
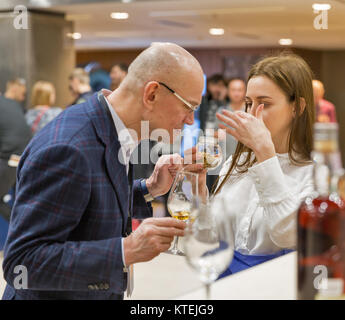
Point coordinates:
pixel 241 261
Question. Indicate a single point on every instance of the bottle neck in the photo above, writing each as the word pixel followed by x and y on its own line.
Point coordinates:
pixel 327 171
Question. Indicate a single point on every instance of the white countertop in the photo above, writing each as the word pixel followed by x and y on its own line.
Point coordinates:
pixel 169 277
pixel 272 280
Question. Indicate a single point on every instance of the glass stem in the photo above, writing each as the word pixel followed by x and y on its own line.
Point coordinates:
pixel 175 248
pixel 208 291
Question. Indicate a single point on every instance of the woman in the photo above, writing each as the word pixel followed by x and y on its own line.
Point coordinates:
pixel 262 184
pixel 42 100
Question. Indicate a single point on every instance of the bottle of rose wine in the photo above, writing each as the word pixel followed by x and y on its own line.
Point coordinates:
pixel 321 222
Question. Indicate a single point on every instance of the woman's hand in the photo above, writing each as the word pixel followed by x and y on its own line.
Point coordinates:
pixel 250 130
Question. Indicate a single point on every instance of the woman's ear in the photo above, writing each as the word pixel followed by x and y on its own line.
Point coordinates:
pixel 150 95
pixel 302 105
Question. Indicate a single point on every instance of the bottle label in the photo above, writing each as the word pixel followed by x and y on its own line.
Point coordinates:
pixel 331 288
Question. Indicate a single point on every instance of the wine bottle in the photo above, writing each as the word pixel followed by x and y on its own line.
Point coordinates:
pixel 321 222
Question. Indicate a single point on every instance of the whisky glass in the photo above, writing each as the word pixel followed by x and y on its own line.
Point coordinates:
pixel 182 193
pixel 209 152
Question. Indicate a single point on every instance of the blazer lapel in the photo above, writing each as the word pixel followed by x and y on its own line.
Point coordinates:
pixel 105 129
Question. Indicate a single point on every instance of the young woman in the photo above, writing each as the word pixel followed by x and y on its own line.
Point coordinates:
pixel 262 185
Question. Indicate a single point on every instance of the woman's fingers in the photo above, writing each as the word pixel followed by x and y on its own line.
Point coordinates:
pixel 229 118
pixel 229 131
pixel 258 112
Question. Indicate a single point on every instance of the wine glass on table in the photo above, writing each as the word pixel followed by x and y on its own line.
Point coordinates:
pixel 180 200
pixel 208 241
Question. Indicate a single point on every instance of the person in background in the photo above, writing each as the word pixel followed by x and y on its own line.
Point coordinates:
pixel 14 136
pixel 325 110
pixel 99 78
pixel 117 74
pixel 42 102
pixel 79 85
pixel 215 97
pixel 237 96
pixel 261 186
pixel 16 90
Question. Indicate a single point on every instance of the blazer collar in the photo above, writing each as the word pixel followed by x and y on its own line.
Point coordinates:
pixel 105 129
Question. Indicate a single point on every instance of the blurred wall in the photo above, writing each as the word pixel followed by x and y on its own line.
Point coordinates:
pixel 41 52
pixel 212 60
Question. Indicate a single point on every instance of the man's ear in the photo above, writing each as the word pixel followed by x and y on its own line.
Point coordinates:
pixel 150 95
pixel 302 105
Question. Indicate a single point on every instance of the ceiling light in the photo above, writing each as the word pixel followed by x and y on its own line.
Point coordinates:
pixel 119 15
pixel 321 6
pixel 74 35
pixel 285 42
pixel 216 31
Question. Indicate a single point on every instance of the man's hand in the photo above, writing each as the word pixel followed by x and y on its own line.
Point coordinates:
pixel 163 174
pixel 193 162
pixel 106 92
pixel 153 236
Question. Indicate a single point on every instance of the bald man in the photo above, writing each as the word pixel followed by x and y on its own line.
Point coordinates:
pixel 325 110
pixel 70 228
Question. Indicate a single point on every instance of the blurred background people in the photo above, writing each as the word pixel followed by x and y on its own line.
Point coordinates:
pixel 216 96
pixel 99 78
pixel 16 90
pixel 325 110
pixel 117 74
pixel 14 136
pixel 79 85
pixel 42 111
pixel 236 94
pixel 237 97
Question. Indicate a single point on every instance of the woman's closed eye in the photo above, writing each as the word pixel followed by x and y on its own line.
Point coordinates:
pixel 249 104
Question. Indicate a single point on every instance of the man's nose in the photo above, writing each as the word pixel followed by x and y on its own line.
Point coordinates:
pixel 189 118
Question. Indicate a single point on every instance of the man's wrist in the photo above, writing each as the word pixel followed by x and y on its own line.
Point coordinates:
pixel 127 257
pixel 146 186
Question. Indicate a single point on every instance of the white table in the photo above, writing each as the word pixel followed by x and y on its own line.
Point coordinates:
pixel 169 277
pixel 272 280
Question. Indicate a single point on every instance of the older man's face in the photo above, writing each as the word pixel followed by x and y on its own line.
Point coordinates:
pixel 171 112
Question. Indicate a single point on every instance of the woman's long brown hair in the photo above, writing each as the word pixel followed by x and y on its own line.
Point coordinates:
pixel 294 77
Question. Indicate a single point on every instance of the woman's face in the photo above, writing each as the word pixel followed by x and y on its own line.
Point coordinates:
pixel 278 112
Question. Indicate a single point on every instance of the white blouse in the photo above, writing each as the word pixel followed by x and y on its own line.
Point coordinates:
pixel 262 203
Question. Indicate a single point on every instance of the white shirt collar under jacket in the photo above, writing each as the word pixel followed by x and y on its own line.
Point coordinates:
pixel 127 142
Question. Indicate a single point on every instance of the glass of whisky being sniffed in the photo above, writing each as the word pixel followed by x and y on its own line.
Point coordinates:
pixel 209 152
pixel 180 201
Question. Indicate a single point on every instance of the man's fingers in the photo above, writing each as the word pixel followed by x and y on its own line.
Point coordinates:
pixel 196 167
pixel 106 92
pixel 166 232
pixel 166 222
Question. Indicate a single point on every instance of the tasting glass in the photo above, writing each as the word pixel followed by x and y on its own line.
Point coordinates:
pixel 180 200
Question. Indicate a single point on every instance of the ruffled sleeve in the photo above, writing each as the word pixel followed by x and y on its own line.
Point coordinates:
pixel 279 199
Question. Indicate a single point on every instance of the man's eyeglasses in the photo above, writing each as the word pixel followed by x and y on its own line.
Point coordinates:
pixel 189 105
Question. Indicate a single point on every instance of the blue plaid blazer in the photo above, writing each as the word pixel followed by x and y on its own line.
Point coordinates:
pixel 70 210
